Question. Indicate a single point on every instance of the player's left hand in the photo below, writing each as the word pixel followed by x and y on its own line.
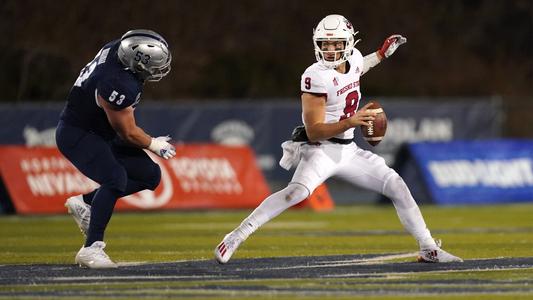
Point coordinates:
pixel 162 147
pixel 362 116
pixel 391 44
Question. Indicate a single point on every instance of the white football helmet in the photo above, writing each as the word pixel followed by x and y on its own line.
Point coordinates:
pixel 145 53
pixel 334 28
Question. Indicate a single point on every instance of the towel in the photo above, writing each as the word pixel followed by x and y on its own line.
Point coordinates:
pixel 291 154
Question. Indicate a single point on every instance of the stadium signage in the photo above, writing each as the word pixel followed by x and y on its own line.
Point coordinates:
pixel 264 125
pixel 51 176
pixel 484 173
pixel 209 175
pixel 39 180
pixel 476 172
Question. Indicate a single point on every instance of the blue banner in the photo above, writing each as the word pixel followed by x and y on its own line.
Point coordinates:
pixel 476 172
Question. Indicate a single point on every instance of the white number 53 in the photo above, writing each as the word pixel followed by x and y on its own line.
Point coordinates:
pixel 113 97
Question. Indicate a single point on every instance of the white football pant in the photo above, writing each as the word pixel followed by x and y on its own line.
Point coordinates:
pixel 353 164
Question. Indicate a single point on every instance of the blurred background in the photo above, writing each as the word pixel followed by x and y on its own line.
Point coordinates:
pixel 241 62
pixel 258 49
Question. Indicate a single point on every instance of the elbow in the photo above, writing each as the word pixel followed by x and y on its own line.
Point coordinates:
pixel 315 132
pixel 313 136
pixel 313 139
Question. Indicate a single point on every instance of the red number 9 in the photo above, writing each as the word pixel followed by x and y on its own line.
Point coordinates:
pixel 307 82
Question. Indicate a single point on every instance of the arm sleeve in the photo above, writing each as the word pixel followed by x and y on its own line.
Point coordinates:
pixel 118 94
pixel 370 61
pixel 312 83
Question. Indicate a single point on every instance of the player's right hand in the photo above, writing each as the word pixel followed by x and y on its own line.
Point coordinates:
pixel 162 147
pixel 391 44
pixel 362 116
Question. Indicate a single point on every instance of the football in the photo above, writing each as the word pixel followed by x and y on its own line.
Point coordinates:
pixel 374 133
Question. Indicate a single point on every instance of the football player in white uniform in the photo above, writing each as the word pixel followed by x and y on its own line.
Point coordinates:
pixel 330 98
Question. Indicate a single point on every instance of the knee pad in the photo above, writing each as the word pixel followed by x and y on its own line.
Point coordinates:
pixel 295 193
pixel 278 202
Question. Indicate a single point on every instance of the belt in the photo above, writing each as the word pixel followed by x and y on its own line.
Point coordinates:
pixel 333 140
pixel 340 141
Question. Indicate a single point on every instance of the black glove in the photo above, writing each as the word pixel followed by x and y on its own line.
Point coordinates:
pixel 299 134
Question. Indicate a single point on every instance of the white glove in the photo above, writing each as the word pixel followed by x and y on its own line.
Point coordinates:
pixel 391 44
pixel 162 147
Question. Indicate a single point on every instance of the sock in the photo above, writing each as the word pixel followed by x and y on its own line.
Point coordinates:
pixel 88 198
pixel 414 223
pixel 101 210
pixel 249 225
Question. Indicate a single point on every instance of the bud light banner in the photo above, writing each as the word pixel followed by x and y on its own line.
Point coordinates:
pixel 476 172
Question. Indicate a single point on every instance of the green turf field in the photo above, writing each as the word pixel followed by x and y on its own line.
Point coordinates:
pixel 474 232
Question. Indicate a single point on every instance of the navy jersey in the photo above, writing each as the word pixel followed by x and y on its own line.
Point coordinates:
pixel 106 76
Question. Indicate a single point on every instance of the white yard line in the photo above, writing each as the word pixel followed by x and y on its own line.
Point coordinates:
pixel 370 261
pixel 132 277
pixel 389 275
pixel 134 263
pixel 142 263
pixel 341 263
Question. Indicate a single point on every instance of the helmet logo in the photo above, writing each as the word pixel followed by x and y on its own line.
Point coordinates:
pixel 141 57
pixel 348 24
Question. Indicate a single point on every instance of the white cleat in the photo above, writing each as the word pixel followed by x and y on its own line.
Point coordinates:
pixel 227 247
pixel 80 211
pixel 437 255
pixel 94 257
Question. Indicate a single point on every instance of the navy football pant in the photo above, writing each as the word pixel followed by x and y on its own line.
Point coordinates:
pixel 119 169
pixel 135 161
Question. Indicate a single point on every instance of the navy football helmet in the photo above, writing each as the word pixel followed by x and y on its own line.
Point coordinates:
pixel 145 53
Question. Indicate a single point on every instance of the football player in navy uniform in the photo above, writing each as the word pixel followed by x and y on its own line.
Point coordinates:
pixel 97 132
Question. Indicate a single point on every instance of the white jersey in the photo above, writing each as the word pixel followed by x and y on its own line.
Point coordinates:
pixel 341 90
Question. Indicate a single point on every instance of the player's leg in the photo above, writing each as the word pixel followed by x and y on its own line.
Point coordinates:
pixel 100 165
pixel 143 172
pixel 112 178
pixel 266 211
pixel 316 165
pixel 79 206
pixel 94 158
pixel 370 171
pixel 68 140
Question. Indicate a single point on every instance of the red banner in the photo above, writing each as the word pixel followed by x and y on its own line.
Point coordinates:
pixel 39 180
